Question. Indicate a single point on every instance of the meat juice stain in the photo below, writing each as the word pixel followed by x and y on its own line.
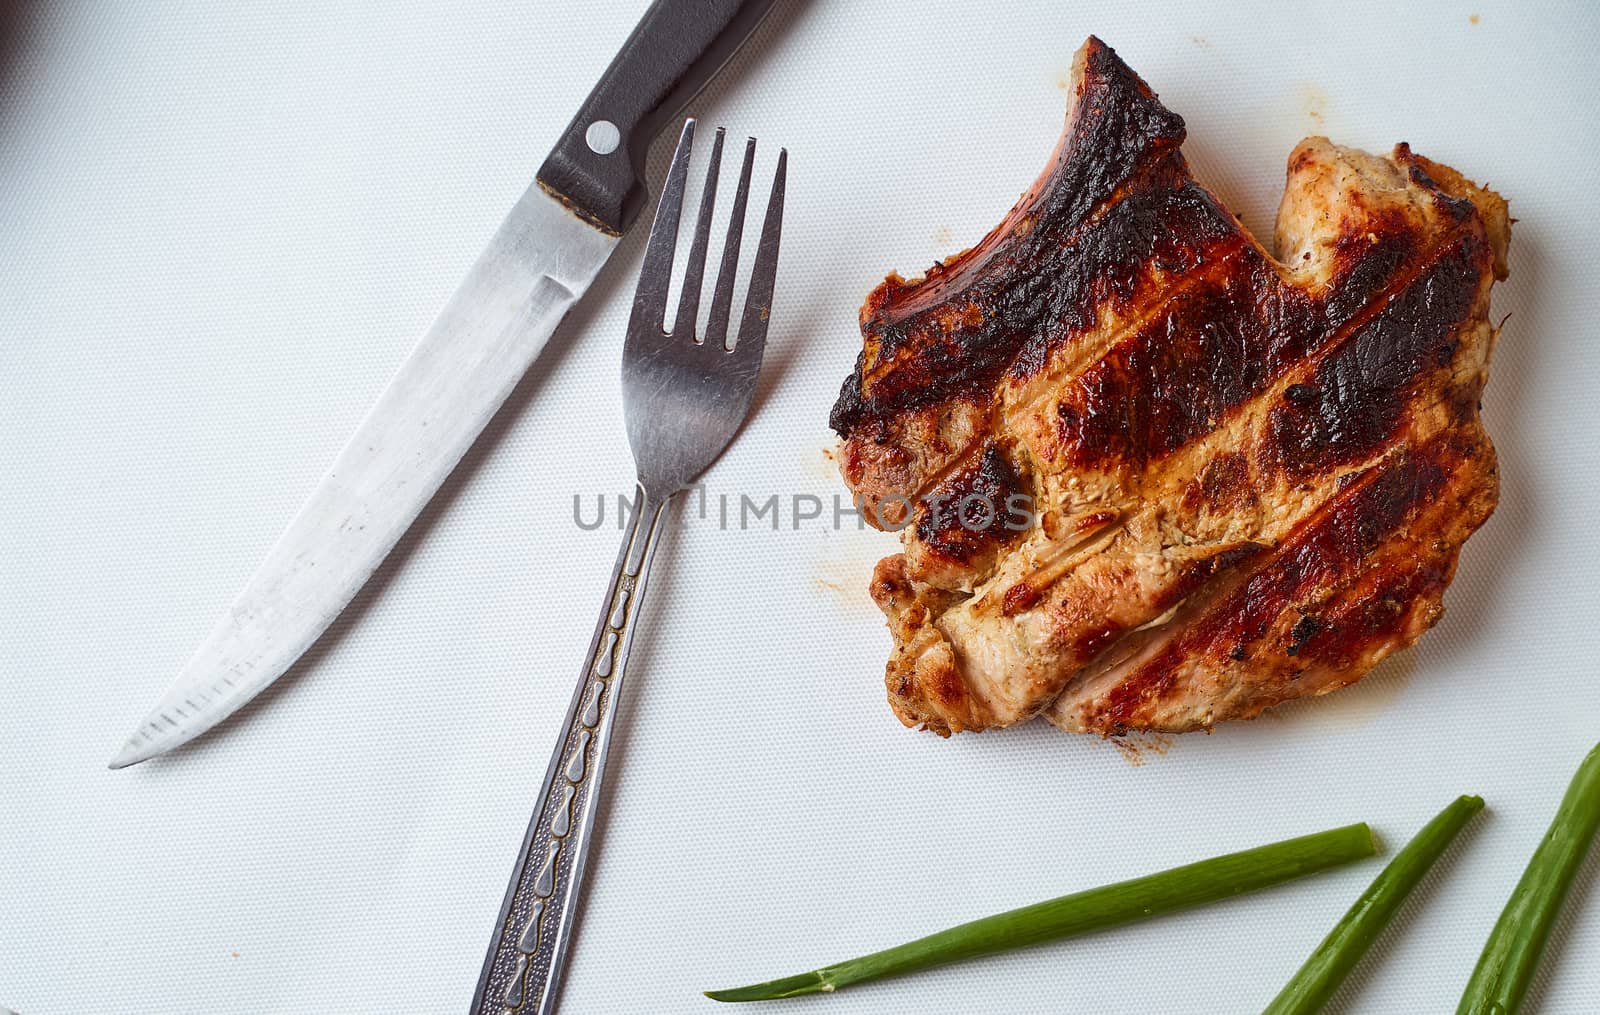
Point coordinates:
pixel 844 583
pixel 823 466
pixel 1136 747
pixel 1313 102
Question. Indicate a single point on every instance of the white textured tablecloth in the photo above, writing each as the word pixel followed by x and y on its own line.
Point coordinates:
pixel 223 225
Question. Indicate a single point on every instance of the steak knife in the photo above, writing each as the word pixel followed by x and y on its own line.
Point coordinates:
pixel 544 255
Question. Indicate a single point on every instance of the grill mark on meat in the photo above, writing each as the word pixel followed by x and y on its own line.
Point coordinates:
pixel 919 359
pixel 1220 343
pixel 1175 378
pixel 1192 576
pixel 1014 319
pixel 1046 360
pixel 1331 542
pixel 1156 232
pixel 1216 341
pixel 1355 399
pixel 970 513
pixel 1118 128
pixel 1224 484
pixel 1338 633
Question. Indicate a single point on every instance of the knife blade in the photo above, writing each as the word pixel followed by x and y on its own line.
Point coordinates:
pixel 543 257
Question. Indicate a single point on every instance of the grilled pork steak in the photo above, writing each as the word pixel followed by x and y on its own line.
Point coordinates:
pixel 1150 476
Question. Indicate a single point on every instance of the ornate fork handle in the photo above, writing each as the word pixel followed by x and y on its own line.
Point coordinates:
pixel 523 969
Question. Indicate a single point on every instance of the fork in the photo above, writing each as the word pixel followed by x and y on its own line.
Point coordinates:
pixel 683 400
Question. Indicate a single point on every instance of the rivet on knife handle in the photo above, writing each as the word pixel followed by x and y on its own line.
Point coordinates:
pixel 597 168
pixel 523 969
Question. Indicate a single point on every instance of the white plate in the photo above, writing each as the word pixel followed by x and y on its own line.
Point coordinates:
pixel 223 225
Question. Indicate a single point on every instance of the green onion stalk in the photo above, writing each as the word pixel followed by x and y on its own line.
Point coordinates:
pixel 1505 969
pixel 1180 888
pixel 1331 962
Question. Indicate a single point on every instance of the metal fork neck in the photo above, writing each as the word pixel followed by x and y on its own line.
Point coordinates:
pixel 648 500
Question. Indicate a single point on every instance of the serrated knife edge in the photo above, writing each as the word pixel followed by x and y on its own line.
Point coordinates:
pixel 433 409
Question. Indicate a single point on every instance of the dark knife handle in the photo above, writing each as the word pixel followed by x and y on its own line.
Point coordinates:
pixel 676 48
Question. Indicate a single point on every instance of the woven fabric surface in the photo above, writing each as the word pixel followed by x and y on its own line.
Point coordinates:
pixel 222 226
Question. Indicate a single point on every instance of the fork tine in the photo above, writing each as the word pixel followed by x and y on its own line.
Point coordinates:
pixel 689 298
pixel 722 300
pixel 650 298
pixel 683 401
pixel 758 303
